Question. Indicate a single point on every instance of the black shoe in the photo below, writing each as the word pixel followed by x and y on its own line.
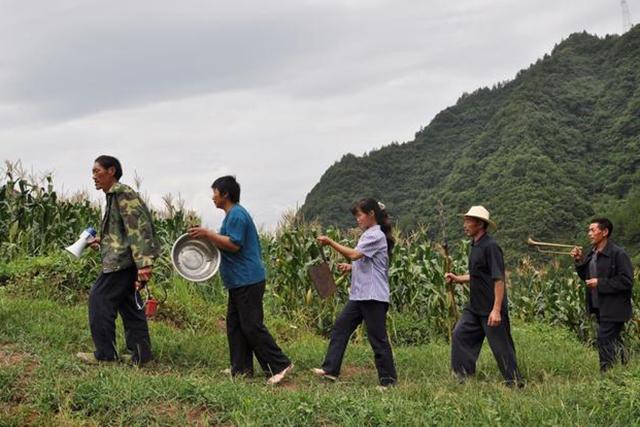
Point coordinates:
pixel 514 384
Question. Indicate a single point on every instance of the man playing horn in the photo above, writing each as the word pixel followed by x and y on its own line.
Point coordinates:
pixel 608 274
pixel 486 314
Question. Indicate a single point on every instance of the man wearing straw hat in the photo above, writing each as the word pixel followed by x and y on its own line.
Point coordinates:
pixel 486 315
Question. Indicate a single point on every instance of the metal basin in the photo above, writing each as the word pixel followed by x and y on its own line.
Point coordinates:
pixel 195 258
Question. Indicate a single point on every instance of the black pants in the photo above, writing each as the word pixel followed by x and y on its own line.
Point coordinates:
pixel 248 335
pixel 374 314
pixel 610 346
pixel 466 344
pixel 114 293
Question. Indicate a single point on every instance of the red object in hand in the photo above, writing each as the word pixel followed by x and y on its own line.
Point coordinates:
pixel 151 307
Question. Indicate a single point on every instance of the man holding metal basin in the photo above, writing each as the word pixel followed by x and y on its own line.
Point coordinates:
pixel 243 275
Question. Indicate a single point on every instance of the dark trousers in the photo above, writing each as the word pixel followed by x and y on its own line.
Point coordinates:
pixel 610 345
pixel 111 294
pixel 248 335
pixel 374 314
pixel 466 344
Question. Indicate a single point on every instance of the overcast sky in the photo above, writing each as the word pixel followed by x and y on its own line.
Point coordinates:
pixel 273 92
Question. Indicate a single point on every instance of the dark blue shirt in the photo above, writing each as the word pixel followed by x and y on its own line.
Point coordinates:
pixel 486 265
pixel 242 268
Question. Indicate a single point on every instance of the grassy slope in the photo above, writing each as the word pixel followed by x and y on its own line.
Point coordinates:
pixel 42 384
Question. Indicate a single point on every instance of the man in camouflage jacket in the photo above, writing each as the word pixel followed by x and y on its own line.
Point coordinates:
pixel 128 247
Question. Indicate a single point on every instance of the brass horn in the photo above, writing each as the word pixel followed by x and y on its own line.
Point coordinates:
pixel 540 245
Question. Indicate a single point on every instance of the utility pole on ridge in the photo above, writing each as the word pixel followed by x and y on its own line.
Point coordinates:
pixel 626 16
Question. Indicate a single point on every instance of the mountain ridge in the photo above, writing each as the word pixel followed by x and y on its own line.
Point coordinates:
pixel 543 152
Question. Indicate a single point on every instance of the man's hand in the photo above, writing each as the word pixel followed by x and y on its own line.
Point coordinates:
pixel 344 267
pixel 94 243
pixel 144 275
pixel 592 283
pixel 452 278
pixel 494 318
pixel 576 253
pixel 199 232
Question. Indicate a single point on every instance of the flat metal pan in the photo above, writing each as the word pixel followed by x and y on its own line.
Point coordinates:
pixel 195 258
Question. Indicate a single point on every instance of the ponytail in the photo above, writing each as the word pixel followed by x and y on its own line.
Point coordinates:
pixel 369 205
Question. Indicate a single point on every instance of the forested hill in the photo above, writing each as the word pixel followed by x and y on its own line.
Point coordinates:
pixel 543 152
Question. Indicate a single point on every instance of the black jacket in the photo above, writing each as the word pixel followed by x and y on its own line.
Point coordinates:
pixel 615 281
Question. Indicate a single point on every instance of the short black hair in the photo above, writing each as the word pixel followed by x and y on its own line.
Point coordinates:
pixel 227 185
pixel 110 162
pixel 603 224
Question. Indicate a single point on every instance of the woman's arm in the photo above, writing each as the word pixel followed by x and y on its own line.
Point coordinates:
pixel 350 253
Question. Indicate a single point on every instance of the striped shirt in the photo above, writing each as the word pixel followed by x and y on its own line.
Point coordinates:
pixel 369 274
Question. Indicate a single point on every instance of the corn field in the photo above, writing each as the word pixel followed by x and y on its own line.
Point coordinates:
pixel 36 224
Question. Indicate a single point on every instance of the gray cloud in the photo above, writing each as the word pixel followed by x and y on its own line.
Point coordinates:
pixel 93 57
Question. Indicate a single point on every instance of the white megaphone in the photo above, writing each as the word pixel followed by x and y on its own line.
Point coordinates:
pixel 82 242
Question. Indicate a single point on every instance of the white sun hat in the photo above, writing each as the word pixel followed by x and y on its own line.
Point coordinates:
pixel 481 213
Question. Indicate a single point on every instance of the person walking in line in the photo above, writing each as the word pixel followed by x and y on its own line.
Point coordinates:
pixel 487 313
pixel 128 247
pixel 243 275
pixel 608 275
pixel 369 293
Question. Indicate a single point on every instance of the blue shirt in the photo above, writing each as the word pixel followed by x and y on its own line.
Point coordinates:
pixel 369 274
pixel 242 268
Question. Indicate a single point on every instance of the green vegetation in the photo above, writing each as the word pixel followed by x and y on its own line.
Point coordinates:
pixel 543 152
pixel 421 309
pixel 43 322
pixel 42 384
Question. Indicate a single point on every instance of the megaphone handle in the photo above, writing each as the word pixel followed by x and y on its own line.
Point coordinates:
pixel 137 297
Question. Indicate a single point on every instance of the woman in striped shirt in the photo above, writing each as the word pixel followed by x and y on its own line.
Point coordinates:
pixel 369 293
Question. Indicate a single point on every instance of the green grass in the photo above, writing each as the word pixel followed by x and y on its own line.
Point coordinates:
pixel 41 383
